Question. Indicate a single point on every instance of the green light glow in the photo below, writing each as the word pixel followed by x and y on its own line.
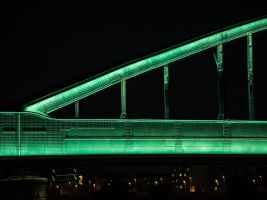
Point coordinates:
pixel 30 134
pixel 34 134
pixel 149 146
pixel 80 91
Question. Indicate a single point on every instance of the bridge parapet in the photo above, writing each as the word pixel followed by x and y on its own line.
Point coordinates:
pixel 31 134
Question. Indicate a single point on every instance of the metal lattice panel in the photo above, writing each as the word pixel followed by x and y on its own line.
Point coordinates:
pixel 39 136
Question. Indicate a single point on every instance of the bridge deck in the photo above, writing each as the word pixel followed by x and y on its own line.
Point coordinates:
pixel 31 134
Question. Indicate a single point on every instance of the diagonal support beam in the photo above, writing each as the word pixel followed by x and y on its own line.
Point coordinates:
pixel 123 100
pixel 219 62
pixel 166 92
pixel 250 76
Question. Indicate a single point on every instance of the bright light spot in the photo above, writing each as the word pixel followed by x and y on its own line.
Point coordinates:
pixel 180 174
pixel 80 180
pixel 192 189
pixel 57 186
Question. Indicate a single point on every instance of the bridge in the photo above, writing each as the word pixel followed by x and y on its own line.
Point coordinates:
pixel 33 132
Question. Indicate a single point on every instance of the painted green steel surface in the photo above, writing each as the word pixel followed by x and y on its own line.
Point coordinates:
pixel 80 91
pixel 33 133
pixel 220 73
pixel 30 134
pixel 123 99
pixel 250 76
pixel 166 91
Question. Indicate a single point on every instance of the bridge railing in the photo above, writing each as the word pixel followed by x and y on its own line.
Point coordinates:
pixel 32 134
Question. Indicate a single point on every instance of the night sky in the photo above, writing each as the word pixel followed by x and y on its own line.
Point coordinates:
pixel 47 46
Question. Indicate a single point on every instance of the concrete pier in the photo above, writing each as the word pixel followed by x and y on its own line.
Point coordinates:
pixel 23 187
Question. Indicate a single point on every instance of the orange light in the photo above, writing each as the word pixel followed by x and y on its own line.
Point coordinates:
pixel 192 189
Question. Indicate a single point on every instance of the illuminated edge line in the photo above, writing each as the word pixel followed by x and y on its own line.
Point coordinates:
pixel 171 138
pixel 86 89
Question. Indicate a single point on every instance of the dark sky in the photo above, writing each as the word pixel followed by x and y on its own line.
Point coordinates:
pixel 45 46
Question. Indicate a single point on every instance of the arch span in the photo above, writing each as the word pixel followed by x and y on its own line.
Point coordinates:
pixel 88 87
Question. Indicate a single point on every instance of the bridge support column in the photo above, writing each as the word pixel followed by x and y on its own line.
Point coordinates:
pixel 250 76
pixel 77 109
pixel 123 100
pixel 219 62
pixel 166 92
pixel 22 184
pixel 28 187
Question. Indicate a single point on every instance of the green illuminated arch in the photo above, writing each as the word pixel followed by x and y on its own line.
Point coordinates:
pixel 86 88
